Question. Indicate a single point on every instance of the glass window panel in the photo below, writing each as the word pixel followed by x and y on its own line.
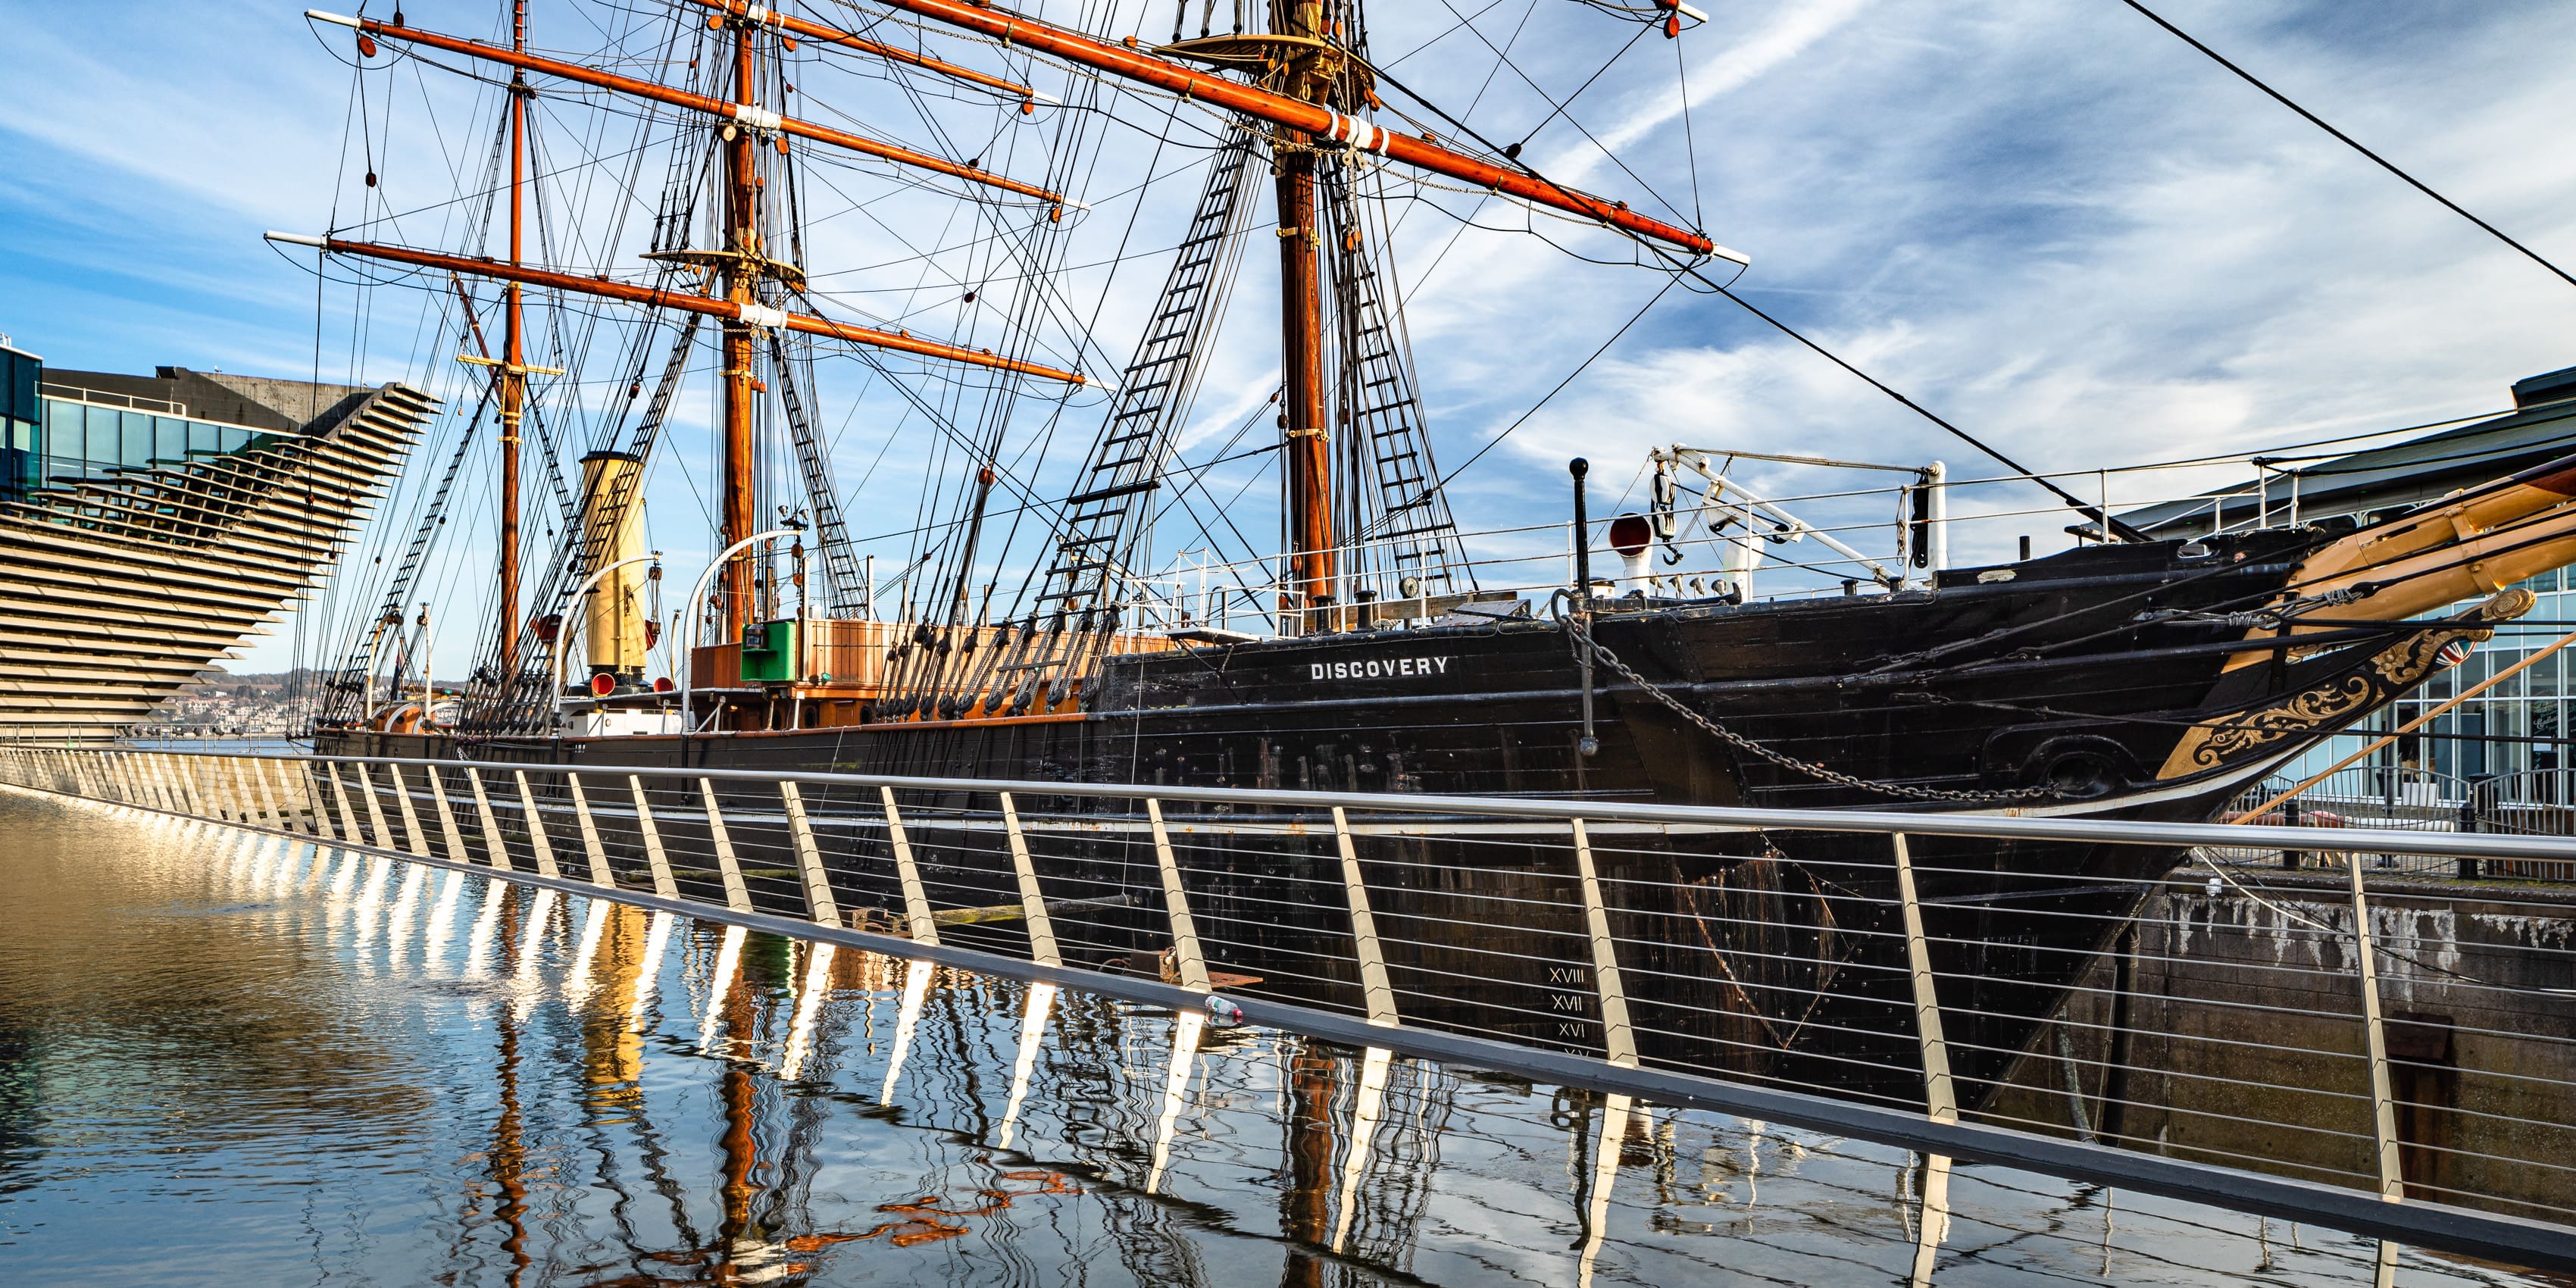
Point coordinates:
pixel 235 439
pixel 104 426
pixel 25 374
pixel 204 437
pixel 170 437
pixel 137 434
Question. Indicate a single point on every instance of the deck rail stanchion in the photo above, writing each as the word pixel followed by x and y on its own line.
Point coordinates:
pixel 655 858
pixel 1042 947
pixel 819 903
pixel 414 839
pixel 1374 986
pixel 737 896
pixel 539 846
pixel 592 851
pixel 1618 1038
pixel 1940 1095
pixel 916 899
pixel 447 831
pixel 496 845
pixel 1187 960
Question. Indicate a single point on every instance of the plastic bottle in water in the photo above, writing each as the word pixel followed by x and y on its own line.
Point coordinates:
pixel 1223 1013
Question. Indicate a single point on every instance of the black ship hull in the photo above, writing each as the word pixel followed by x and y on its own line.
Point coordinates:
pixel 2096 684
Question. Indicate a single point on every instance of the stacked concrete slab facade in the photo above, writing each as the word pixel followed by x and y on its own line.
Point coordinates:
pixel 120 583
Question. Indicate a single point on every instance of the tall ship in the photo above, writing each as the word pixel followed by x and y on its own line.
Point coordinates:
pixel 1037 620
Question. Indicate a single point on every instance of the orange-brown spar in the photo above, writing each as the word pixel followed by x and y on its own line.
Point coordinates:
pixel 1329 127
pixel 754 117
pixel 811 30
pixel 658 297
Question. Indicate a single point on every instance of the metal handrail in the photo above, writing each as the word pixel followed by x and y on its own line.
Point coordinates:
pixel 411 808
pixel 2008 825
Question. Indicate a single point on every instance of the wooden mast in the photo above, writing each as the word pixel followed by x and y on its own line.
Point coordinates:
pixel 514 372
pixel 740 266
pixel 1307 463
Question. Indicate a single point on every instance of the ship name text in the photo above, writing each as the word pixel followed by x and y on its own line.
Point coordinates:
pixel 1378 668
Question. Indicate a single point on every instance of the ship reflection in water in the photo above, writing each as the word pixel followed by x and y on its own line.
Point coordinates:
pixel 239 1057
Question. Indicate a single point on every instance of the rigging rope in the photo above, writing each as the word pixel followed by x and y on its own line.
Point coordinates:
pixel 2349 141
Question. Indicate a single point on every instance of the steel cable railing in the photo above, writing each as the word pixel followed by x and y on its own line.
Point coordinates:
pixel 2072 978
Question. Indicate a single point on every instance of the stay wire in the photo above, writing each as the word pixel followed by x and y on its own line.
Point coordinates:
pixel 1692 270
pixel 2348 141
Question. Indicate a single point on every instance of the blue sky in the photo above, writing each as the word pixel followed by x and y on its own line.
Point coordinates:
pixel 2051 222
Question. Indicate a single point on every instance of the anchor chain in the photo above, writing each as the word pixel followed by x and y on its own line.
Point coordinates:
pixel 1582 630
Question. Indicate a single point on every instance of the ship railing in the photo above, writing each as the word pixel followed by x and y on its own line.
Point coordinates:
pixel 2089 998
pixel 1532 563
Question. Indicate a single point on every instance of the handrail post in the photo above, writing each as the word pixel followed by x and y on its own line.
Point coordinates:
pixel 1186 957
pixel 2383 1107
pixel 1374 985
pixel 737 897
pixel 229 773
pixel 414 839
pixel 496 846
pixel 447 818
pixel 1042 949
pixel 1940 1095
pixel 310 784
pixel 267 799
pixel 376 829
pixel 182 772
pixel 916 899
pixel 819 903
pixel 340 797
pixel 591 849
pixel 655 859
pixel 1618 1037
pixel 542 848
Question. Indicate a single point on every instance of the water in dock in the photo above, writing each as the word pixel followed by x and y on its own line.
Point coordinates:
pixel 237 1057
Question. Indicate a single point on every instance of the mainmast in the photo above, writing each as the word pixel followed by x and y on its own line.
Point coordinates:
pixel 1309 76
pixel 741 266
pixel 514 371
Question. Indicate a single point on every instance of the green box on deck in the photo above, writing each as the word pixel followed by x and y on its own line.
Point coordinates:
pixel 769 652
